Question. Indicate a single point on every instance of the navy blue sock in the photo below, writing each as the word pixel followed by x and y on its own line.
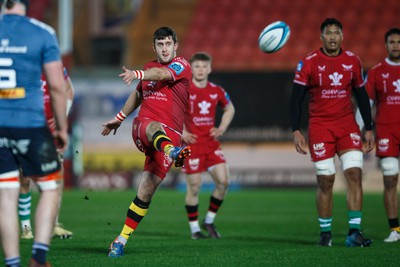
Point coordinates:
pixel 13 262
pixel 39 252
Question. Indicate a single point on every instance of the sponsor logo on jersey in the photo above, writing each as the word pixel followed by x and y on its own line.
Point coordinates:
pixel 202 121
pixel 50 166
pixel 322 68
pixel 319 150
pixel 383 144
pixel 6 48
pixel 356 138
pixel 12 93
pixel 333 93
pixel 336 77
pixel 347 67
pixel 192 97
pixel 385 75
pixel 177 67
pixel 213 96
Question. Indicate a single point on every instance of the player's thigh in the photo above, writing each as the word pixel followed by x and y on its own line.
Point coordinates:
pixel 193 182
pixel 9 173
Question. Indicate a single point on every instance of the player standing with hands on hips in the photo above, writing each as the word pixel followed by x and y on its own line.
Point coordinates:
pixel 383 87
pixel 330 75
pixel 201 134
pixel 28 47
pixel 163 92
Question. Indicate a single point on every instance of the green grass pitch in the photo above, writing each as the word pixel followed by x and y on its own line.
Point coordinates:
pixel 258 228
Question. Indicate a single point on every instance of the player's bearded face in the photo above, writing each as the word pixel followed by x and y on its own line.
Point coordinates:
pixel 165 49
pixel 393 47
pixel 332 38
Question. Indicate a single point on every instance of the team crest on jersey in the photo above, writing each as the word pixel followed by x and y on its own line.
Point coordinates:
pixel 335 77
pixel 177 67
pixel 347 67
pixel 397 85
pixel 204 106
pixel 299 66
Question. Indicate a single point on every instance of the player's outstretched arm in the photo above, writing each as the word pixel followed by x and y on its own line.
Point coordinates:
pixel 152 74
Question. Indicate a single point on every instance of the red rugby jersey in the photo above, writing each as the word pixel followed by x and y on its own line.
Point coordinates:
pixel 329 81
pixel 383 86
pixel 203 103
pixel 166 101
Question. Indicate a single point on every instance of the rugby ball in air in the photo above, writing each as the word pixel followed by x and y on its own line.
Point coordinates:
pixel 274 37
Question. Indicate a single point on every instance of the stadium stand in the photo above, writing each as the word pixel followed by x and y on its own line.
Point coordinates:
pixel 38 8
pixel 229 30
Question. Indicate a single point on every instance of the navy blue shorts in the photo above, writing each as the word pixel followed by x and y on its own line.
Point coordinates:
pixel 31 150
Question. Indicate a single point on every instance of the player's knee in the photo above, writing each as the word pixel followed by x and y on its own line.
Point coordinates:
pixel 223 183
pixel 325 167
pixel 352 159
pixel 49 182
pixel 389 166
pixel 194 189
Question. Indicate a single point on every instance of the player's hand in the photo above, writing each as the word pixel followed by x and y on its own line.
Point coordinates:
pixel 61 140
pixel 299 142
pixel 369 141
pixel 127 76
pixel 216 132
pixel 109 126
pixel 189 138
